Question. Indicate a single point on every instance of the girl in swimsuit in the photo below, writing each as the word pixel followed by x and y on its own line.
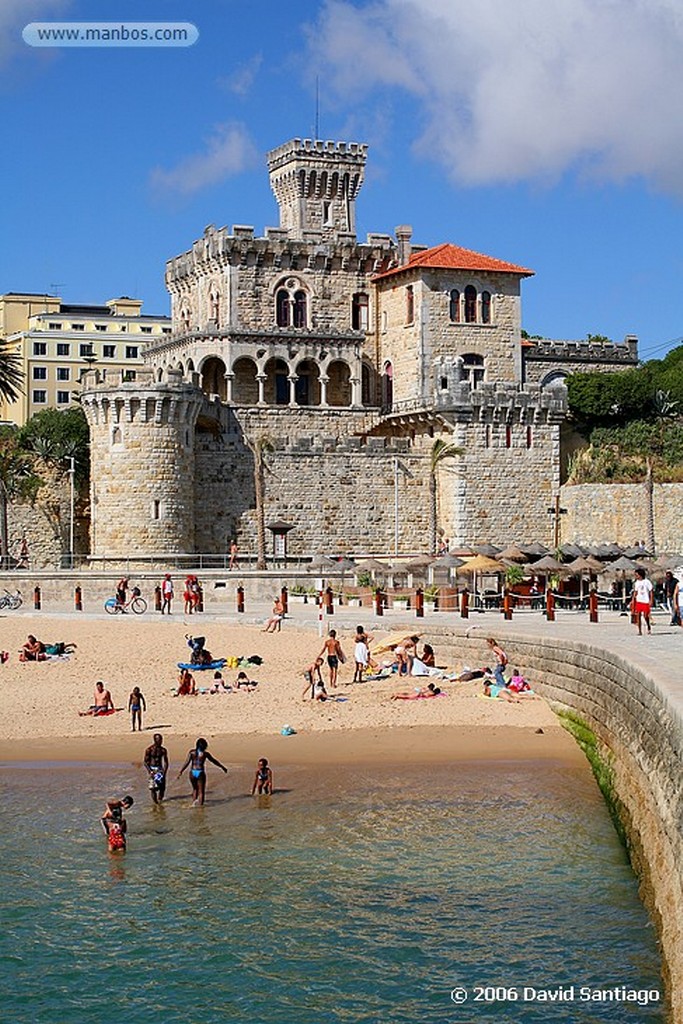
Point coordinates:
pixel 197 759
pixel 263 780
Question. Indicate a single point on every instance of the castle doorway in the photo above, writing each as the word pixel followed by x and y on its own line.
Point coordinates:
pixel 387 386
pixel 277 382
pixel 244 384
pixel 307 387
pixel 339 386
pixel 213 378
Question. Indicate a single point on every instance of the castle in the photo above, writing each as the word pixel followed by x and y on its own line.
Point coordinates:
pixel 349 359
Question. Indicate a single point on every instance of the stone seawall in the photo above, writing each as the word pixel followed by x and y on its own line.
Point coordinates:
pixel 599 513
pixel 639 725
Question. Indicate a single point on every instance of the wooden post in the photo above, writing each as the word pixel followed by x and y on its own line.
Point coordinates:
pixel 240 599
pixel 549 605
pixel 593 606
pixel 78 599
pixel 419 603
pixel 465 604
pixel 507 604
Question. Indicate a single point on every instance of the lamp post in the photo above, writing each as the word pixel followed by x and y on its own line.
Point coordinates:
pixel 72 495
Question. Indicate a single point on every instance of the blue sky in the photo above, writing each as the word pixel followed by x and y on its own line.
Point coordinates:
pixel 538 131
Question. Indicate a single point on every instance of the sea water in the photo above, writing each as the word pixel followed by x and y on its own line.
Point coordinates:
pixel 353 895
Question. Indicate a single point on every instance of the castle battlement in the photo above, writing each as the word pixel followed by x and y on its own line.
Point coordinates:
pixel 588 351
pixel 312 250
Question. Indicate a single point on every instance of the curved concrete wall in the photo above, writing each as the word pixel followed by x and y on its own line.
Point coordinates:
pixel 640 723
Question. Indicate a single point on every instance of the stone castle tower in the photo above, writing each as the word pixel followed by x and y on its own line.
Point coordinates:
pixel 351 357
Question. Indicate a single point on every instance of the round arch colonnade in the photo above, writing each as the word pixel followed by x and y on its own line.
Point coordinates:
pixel 273 375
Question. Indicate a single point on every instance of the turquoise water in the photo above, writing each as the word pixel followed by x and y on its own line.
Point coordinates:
pixel 353 895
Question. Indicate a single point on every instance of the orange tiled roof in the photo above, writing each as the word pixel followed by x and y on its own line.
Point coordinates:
pixel 454 257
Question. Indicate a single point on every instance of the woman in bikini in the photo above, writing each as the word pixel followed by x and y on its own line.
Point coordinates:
pixel 196 760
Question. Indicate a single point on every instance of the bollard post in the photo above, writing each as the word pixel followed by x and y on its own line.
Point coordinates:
pixel 419 603
pixel 78 599
pixel 157 598
pixel 550 606
pixel 507 604
pixel 379 607
pixel 465 604
pixel 36 598
pixel 240 599
pixel 328 597
pixel 284 598
pixel 200 598
pixel 593 606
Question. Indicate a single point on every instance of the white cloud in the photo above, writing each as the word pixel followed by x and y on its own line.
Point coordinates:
pixel 243 77
pixel 511 90
pixel 15 14
pixel 228 151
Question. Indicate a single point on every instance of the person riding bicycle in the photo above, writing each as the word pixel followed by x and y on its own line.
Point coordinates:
pixel 121 592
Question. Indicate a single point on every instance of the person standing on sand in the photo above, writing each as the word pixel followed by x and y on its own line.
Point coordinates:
pixel 641 601
pixel 122 592
pixel 166 593
pixel 156 763
pixel 501 661
pixel 197 759
pixel 332 649
pixel 136 705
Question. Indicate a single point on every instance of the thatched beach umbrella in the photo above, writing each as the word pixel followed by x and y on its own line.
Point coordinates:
pixel 448 562
pixel 535 550
pixel 490 550
pixel 512 553
pixel 582 567
pixel 572 551
pixel 637 552
pixel 620 567
pixel 547 565
pixel 320 561
pixel 481 565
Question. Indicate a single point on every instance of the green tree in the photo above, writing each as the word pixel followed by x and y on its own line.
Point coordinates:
pixel 18 480
pixel 441 452
pixel 57 436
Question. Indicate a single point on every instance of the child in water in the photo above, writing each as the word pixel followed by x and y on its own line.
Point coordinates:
pixel 136 705
pixel 114 823
pixel 263 780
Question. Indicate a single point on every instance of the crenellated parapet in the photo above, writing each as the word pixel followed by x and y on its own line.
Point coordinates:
pixel 588 351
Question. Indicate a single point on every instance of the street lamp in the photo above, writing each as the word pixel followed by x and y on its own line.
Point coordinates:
pixel 72 495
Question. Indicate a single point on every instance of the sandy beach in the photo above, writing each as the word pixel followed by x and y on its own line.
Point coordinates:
pixel 39 702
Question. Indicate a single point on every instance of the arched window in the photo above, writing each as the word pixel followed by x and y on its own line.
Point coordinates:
pixel 410 304
pixel 282 308
pixel 454 306
pixel 387 385
pixel 486 307
pixel 470 304
pixel 359 312
pixel 473 369
pixel 299 309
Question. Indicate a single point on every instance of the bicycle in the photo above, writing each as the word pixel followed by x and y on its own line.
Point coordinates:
pixel 11 601
pixel 137 604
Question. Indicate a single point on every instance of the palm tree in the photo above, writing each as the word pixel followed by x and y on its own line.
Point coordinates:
pixel 11 374
pixel 260 447
pixel 441 451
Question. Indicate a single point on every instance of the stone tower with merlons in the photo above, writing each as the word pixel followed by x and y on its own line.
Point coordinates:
pixel 351 358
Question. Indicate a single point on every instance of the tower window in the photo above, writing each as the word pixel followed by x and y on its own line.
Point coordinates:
pixel 156 508
pixel 486 307
pixel 529 437
pixel 299 309
pixel 473 369
pixel 454 306
pixel 291 305
pixel 359 312
pixel 470 304
pixel 282 308
pixel 410 304
pixel 508 436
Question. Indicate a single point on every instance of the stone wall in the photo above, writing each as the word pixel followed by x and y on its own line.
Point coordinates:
pixel 640 728
pixel 598 513
pixel 336 493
